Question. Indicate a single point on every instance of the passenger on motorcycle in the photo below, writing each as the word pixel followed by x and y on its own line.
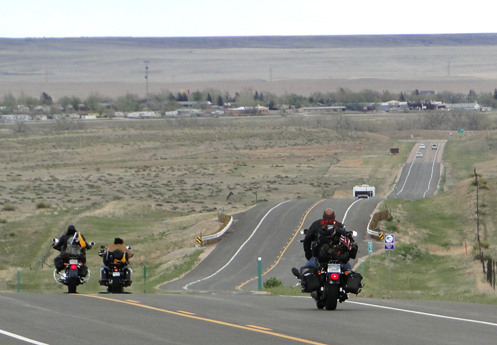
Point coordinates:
pixel 116 253
pixel 321 241
pixel 70 244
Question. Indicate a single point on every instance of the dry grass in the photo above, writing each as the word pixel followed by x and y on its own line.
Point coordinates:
pixel 115 67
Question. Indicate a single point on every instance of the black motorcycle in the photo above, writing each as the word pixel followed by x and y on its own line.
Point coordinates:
pixel 75 271
pixel 115 272
pixel 331 280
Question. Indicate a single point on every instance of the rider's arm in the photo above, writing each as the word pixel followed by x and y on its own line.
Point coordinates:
pixel 88 245
pixel 309 237
pixel 62 240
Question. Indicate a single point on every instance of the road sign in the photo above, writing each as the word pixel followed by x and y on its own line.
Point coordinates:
pixel 370 247
pixel 381 236
pixel 389 242
pixel 460 130
pixel 199 240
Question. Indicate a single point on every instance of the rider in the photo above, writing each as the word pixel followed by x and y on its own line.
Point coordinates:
pixel 319 237
pixel 109 258
pixel 71 243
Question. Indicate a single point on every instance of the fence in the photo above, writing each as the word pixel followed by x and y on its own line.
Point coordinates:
pixel 491 267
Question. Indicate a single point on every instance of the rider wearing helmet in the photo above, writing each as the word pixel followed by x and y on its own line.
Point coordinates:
pixel 116 253
pixel 318 238
pixel 67 243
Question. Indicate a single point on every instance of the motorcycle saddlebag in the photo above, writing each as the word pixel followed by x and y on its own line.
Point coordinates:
pixel 353 251
pixel 309 279
pixel 353 284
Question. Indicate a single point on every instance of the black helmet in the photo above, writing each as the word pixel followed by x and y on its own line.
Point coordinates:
pixel 117 240
pixel 71 230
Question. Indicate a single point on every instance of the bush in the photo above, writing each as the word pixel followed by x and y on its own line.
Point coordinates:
pixel 42 204
pixel 272 283
pixel 8 207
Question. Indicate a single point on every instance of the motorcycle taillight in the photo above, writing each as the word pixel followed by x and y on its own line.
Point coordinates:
pixel 73 266
pixel 334 276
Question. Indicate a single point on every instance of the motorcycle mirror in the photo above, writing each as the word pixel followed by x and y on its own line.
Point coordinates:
pixel 354 233
pixel 128 248
pixel 92 244
pixel 55 240
pixel 103 247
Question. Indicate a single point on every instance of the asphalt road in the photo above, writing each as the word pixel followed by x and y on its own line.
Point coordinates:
pixel 271 232
pixel 237 318
pixel 420 175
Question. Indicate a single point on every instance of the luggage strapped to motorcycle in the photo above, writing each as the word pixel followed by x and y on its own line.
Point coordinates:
pixel 73 247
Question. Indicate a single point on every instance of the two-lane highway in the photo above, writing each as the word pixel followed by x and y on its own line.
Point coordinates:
pixel 270 232
pixel 238 319
pixel 421 173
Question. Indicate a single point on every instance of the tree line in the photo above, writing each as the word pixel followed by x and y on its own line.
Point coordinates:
pixel 168 101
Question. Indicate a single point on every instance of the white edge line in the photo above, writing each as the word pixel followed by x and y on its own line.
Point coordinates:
pixel 13 335
pixel 414 312
pixel 425 314
pixel 239 249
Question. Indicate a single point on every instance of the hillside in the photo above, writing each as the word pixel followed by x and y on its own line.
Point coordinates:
pixel 275 64
pixel 283 42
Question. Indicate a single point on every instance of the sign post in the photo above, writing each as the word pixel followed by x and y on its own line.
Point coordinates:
pixel 370 250
pixel 259 272
pixel 389 245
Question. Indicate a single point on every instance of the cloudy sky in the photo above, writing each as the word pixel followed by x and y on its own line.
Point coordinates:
pixel 180 18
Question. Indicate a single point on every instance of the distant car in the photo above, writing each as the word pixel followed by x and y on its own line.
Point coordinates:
pixel 419 155
pixel 434 147
pixel 422 146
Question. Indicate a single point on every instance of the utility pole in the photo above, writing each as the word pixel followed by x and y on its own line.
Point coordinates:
pixel 478 222
pixel 146 82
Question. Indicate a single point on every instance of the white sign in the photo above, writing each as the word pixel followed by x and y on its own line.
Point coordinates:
pixel 389 242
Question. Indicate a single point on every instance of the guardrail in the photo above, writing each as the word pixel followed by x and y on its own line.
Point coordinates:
pixel 227 223
pixel 374 220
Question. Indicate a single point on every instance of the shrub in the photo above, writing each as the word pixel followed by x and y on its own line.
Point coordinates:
pixel 8 207
pixel 43 204
pixel 271 283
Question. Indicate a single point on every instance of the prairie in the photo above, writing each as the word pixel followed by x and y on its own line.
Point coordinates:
pixel 115 66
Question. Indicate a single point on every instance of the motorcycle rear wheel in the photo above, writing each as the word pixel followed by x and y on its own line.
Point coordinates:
pixel 72 283
pixel 331 297
pixel 115 287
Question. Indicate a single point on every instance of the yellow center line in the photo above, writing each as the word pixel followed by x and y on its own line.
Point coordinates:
pixel 223 323
pixel 259 327
pixel 239 287
pixel 132 301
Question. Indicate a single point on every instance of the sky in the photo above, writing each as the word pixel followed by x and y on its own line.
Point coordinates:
pixel 200 18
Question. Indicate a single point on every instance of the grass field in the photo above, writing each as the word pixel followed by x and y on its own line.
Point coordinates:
pixel 302 65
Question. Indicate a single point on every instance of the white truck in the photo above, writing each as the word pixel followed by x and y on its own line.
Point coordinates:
pixel 365 192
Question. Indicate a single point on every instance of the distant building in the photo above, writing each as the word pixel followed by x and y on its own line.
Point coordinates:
pixel 258 110
pixel 463 106
pixel 332 108
pixel 393 106
pixel 142 115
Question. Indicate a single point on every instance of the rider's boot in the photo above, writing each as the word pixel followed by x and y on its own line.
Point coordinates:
pixel 296 272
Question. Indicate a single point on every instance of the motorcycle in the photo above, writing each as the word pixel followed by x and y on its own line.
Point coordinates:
pixel 330 281
pixel 75 271
pixel 115 272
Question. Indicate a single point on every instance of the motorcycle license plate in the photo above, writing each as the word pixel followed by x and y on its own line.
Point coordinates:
pixel 73 262
pixel 334 268
pixel 116 274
